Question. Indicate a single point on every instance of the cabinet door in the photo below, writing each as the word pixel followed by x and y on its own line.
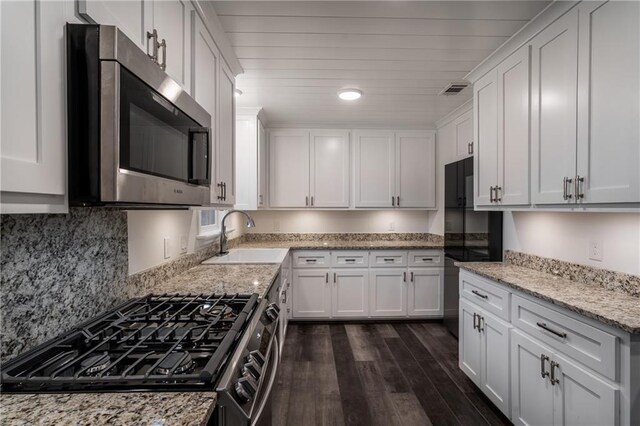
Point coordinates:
pixel 416 169
pixel 463 128
pixel 204 85
pixel 289 168
pixel 495 361
pixel 485 108
pixel 579 398
pixel 329 180
pixel 470 341
pixel 226 136
pixel 531 394
pixel 311 293
pixel 33 119
pixel 246 162
pixel 609 101
pixel 172 20
pixel 134 18
pixel 387 292
pixel 350 293
pixel 374 168
pixel 424 297
pixel 263 161
pixel 513 128
pixel 554 78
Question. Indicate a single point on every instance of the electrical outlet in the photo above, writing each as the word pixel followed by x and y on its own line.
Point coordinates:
pixel 595 250
pixel 167 248
pixel 276 225
pixel 392 226
pixel 183 244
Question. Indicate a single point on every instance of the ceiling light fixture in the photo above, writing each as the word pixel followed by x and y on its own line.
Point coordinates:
pixel 237 93
pixel 349 94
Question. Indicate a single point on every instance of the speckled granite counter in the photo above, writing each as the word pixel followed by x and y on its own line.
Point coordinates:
pixel 346 245
pixel 132 409
pixel 611 307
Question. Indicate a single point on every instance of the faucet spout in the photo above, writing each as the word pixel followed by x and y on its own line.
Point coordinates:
pixel 224 248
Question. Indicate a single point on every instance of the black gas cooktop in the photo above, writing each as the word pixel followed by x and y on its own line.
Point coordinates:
pixel 156 342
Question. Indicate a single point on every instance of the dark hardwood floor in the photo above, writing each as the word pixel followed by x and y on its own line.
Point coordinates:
pixel 375 374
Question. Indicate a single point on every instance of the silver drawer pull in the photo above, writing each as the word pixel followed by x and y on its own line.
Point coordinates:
pixel 389 260
pixel 550 330
pixel 349 260
pixel 427 259
pixel 311 260
pixel 477 293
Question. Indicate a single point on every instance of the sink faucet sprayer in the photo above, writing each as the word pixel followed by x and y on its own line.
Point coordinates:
pixel 223 229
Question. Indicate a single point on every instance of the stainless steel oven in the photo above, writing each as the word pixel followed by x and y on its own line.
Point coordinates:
pixel 136 137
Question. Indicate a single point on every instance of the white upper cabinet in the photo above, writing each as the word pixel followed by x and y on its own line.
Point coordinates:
pixel 225 146
pixel 172 20
pixel 513 129
pixel 463 128
pixel 134 18
pixel 374 168
pixel 485 108
pixel 289 168
pixel 609 102
pixel 263 162
pixel 554 79
pixel 415 169
pixel 33 117
pixel 247 169
pixel 329 173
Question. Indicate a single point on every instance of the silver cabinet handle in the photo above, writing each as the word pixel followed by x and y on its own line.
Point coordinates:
pixel 477 293
pixel 386 259
pixel 306 200
pixel 163 45
pixel 543 358
pixel 480 324
pixel 260 198
pixel 220 185
pixel 491 199
pixel 498 189
pixel 474 321
pixel 553 378
pixel 334 277
pixel 326 278
pixel 544 326
pixel 154 45
pixel 411 279
pixel 398 201
pixel 311 260
pixel 577 189
pixel 393 201
pixel 404 277
pixel 349 260
pixel 470 148
pixel 224 189
pixel 566 182
pixel 312 200
pixel 427 259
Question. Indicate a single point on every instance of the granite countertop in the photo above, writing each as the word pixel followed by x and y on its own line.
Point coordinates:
pixel 611 307
pixel 142 408
pixel 345 245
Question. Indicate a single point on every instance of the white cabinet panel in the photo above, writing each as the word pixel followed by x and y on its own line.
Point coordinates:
pixel 485 107
pixel 225 170
pixel 263 162
pixel 311 293
pixel 247 162
pixel 469 343
pixel 513 128
pixel 532 393
pixel 424 296
pixel 288 168
pixel 374 168
pixel 134 18
pixel 387 292
pixel 609 101
pixel 350 295
pixel 33 117
pixel 495 361
pixel 580 398
pixel 415 169
pixel 329 181
pixel 463 128
pixel 172 20
pixel 554 79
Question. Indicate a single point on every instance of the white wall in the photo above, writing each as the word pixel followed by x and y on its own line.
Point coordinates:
pixel 148 229
pixel 340 221
pixel 566 236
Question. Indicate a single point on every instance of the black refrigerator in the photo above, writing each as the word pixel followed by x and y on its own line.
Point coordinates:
pixel 469 235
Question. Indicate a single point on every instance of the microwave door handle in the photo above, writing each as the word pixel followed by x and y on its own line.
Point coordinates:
pixel 193 160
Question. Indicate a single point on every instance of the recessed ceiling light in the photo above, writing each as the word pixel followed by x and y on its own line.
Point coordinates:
pixel 349 94
pixel 237 93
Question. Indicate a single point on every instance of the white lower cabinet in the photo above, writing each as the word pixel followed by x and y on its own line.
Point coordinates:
pixel 387 292
pixel 425 292
pixel 549 389
pixel 311 293
pixel 350 295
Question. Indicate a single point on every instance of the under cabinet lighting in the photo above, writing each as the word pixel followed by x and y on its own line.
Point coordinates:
pixel 349 94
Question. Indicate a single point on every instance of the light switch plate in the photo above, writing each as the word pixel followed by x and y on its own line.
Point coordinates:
pixel 595 250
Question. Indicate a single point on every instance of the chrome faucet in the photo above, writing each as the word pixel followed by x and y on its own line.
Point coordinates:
pixel 223 229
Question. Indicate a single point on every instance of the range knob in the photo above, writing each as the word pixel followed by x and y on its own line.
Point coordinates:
pixel 272 312
pixel 252 369
pixel 245 389
pixel 257 358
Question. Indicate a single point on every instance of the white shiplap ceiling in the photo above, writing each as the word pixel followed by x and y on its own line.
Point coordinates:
pixel 297 54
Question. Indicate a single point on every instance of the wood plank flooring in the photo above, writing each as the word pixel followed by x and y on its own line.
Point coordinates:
pixel 375 374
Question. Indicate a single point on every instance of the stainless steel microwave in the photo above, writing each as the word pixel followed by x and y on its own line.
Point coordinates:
pixel 135 137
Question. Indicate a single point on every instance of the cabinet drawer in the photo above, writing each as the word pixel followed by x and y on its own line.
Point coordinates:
pixel 346 259
pixel 311 259
pixel 485 294
pixel 385 259
pixel 426 258
pixel 589 345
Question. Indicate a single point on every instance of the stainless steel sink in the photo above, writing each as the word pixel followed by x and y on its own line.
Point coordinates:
pixel 249 255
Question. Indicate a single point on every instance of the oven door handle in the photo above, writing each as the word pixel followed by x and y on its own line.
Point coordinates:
pixel 194 155
pixel 276 353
